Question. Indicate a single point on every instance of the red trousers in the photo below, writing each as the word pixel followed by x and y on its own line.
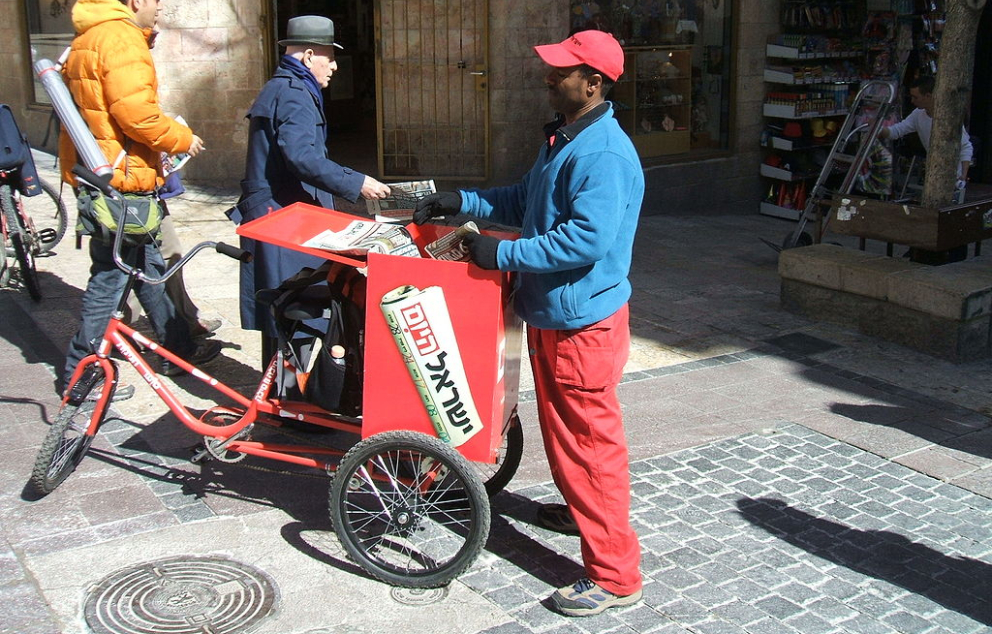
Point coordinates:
pixel 576 373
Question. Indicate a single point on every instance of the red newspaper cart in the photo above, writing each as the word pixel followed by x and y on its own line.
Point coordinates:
pixel 432 329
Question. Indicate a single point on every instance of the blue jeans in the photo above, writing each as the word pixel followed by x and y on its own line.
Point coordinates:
pixel 103 292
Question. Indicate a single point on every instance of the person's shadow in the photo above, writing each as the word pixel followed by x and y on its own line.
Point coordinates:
pixel 959 584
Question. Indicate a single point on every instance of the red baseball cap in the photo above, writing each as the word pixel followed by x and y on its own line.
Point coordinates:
pixel 595 48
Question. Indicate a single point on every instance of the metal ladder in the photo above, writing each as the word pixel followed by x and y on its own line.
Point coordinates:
pixel 874 99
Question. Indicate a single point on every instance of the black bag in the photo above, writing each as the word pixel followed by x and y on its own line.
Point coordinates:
pixel 14 149
pixel 15 154
pixel 319 314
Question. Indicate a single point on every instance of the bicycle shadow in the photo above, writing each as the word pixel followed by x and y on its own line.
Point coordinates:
pixel 160 452
pixel 957 583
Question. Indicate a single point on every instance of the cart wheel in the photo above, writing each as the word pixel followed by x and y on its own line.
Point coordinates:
pixel 804 240
pixel 496 476
pixel 409 509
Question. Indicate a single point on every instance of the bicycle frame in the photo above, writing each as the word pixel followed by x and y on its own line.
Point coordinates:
pixel 125 340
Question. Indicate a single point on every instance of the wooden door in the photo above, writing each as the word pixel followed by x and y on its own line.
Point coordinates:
pixel 432 89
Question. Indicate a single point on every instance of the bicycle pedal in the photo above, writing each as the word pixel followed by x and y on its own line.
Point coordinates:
pixel 48 235
pixel 200 452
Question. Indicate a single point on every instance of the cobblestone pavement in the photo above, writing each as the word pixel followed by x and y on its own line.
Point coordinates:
pixel 783 531
pixel 788 475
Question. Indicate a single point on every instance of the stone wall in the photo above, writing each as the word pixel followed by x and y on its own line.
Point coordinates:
pixel 211 62
pixel 15 73
pixel 518 98
pixel 945 311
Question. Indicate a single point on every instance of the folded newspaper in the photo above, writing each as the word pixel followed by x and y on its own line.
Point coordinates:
pixel 421 327
pixel 174 162
pixel 362 236
pixel 451 247
pixel 401 202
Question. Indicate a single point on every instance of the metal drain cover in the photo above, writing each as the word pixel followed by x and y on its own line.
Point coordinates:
pixel 181 595
pixel 418 596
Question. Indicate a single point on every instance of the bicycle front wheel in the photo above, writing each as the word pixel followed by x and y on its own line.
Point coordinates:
pixel 409 509
pixel 18 236
pixel 496 476
pixel 67 441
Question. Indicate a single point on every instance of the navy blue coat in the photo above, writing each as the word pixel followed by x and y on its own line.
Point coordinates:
pixel 287 163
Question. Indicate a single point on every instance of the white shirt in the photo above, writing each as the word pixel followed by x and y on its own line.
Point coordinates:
pixel 921 123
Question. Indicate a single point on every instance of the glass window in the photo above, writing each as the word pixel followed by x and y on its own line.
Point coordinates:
pixel 674 96
pixel 50 32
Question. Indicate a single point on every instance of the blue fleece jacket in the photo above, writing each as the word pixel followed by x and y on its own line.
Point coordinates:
pixel 577 208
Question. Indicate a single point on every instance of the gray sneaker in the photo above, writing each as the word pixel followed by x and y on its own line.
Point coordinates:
pixel 585 598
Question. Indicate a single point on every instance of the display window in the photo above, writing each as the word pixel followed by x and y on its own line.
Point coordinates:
pixel 50 32
pixel 674 95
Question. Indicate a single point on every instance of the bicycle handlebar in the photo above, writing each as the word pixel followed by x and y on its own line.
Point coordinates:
pixel 87 176
pixel 233 252
pixel 103 184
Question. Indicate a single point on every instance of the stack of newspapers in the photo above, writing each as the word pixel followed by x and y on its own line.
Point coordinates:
pixel 362 236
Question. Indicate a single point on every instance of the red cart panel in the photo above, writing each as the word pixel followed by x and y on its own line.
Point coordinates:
pixel 487 331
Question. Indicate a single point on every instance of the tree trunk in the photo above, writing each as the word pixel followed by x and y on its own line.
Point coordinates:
pixel 953 83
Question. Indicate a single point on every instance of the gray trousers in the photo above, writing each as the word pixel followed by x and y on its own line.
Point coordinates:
pixel 171 250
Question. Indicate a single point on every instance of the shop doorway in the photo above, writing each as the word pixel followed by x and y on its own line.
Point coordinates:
pixel 433 89
pixel 421 110
pixel 981 106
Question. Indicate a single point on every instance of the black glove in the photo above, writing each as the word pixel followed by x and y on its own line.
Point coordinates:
pixel 482 250
pixel 439 204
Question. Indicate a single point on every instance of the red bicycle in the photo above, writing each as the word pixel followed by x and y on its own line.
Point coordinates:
pixel 410 509
pixel 30 227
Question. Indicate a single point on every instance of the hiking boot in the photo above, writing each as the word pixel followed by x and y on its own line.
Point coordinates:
pixel 585 598
pixel 123 392
pixel 205 327
pixel 204 352
pixel 557 518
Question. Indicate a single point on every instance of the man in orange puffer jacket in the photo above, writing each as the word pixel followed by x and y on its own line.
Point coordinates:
pixel 111 76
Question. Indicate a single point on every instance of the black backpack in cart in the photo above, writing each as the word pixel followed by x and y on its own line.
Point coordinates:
pixel 321 325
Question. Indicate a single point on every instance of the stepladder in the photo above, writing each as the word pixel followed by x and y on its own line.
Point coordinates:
pixel 856 141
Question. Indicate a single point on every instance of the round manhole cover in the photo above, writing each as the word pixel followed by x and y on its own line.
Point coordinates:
pixel 418 596
pixel 180 596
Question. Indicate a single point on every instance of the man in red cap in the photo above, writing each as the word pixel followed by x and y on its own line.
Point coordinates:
pixel 577 208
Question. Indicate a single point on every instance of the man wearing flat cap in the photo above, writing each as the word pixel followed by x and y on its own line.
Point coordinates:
pixel 287 162
pixel 578 208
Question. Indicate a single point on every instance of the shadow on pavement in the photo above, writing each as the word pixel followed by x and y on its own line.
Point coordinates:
pixel 929 427
pixel 522 550
pixel 959 584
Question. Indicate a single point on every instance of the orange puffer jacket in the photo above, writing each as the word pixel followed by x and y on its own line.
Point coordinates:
pixel 111 76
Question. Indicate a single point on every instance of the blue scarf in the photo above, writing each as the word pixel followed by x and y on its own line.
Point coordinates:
pixel 301 72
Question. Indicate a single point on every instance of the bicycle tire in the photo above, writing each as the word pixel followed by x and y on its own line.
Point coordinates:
pixel 4 269
pixel 59 221
pixel 66 443
pixel 15 234
pixel 496 476
pixel 404 528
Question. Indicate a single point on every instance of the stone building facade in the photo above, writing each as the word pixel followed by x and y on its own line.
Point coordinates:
pixel 214 55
